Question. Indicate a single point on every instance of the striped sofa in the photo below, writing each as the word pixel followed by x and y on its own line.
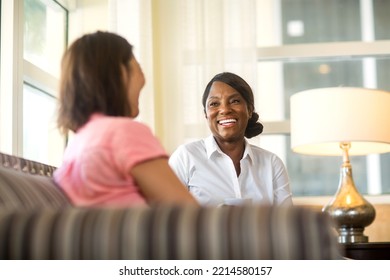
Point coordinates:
pixel 38 222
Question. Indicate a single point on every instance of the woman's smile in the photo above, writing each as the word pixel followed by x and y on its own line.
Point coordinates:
pixel 227 122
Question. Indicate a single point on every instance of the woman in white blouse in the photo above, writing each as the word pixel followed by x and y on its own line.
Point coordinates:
pixel 224 165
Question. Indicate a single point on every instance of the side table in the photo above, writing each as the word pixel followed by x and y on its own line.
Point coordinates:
pixel 367 251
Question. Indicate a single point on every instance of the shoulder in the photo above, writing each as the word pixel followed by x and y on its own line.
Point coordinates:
pixel 194 147
pixel 119 125
pixel 118 132
pixel 188 152
pixel 260 153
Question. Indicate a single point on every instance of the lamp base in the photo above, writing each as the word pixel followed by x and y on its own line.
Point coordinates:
pixel 352 235
pixel 349 210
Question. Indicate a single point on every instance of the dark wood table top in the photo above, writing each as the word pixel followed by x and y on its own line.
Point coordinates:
pixel 368 251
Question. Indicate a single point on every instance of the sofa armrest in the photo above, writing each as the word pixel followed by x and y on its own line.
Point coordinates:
pixel 164 232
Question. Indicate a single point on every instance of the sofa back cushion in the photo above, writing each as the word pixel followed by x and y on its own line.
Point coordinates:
pixel 26 165
pixel 20 190
pixel 164 232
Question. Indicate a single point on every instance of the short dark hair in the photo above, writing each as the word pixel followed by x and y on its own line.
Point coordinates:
pixel 91 79
pixel 253 127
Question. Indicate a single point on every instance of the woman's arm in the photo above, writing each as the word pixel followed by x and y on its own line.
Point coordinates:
pixel 159 184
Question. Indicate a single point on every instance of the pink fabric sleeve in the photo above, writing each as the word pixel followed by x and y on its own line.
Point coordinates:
pixel 135 144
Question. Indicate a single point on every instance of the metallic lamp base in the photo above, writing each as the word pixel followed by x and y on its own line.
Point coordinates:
pixel 350 211
pixel 352 235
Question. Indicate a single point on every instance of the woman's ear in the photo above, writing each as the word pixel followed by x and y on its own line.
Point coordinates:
pixel 251 109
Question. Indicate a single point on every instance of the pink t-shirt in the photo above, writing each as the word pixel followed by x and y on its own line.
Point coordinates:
pixel 97 161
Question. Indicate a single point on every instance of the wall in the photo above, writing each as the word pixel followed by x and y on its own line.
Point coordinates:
pixel 379 230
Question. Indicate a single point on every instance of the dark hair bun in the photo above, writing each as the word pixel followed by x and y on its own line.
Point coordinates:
pixel 254 127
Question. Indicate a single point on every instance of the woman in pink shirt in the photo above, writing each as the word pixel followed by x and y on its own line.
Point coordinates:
pixel 112 160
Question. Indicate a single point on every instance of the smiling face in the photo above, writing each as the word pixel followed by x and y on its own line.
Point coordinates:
pixel 227 113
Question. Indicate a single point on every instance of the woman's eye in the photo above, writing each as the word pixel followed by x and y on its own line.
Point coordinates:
pixel 235 101
pixel 213 104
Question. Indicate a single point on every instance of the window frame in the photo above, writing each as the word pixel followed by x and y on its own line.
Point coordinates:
pixel 11 79
pixel 15 72
pixel 347 50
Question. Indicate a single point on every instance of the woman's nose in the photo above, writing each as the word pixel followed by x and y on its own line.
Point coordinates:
pixel 225 108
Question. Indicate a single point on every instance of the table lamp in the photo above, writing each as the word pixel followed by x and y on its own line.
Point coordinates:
pixel 343 121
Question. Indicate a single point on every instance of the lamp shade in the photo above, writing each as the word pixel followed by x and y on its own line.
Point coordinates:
pixel 323 118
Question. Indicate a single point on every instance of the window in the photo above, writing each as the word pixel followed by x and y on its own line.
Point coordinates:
pixel 44 41
pixel 323 44
pixel 44 35
pixel 33 43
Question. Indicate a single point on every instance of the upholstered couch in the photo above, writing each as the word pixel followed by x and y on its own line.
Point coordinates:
pixel 37 221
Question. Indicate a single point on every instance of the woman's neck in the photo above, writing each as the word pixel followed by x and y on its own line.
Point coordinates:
pixel 235 150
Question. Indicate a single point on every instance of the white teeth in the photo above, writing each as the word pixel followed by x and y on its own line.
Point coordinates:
pixel 227 121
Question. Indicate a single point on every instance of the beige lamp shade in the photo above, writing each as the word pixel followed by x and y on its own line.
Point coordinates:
pixel 323 118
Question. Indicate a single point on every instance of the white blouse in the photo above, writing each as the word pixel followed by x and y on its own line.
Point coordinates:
pixel 211 177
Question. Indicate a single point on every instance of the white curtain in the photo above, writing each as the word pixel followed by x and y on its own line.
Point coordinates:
pixel 181 45
pixel 132 19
